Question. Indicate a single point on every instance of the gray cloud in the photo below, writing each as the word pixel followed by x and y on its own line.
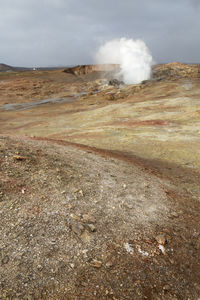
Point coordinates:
pixel 195 3
pixel 64 32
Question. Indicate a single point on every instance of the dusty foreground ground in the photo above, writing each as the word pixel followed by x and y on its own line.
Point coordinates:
pixel 76 225
pixel 100 188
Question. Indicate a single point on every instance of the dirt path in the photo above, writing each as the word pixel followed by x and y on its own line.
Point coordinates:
pixel 82 223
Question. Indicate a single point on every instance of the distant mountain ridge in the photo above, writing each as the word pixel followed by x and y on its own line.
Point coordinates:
pixel 4 67
pixel 7 68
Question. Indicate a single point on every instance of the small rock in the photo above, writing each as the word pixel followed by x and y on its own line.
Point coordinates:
pixel 166 287
pixel 85 236
pixel 162 249
pixel 18 157
pixel 174 215
pixel 39 267
pixel 115 82
pixel 81 193
pixel 197 245
pixel 77 228
pixel 86 218
pixel 75 217
pixel 161 239
pixel 91 227
pixel 5 260
pixel 127 205
pixel 96 263
pixel 109 264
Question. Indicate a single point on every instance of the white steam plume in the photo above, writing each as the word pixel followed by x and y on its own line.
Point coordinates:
pixel 133 56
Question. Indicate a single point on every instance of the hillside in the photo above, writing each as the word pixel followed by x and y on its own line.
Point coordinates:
pixel 4 67
pixel 99 185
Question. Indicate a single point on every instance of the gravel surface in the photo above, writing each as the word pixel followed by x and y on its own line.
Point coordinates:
pixel 76 225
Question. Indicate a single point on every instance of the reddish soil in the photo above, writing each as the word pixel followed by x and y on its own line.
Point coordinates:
pixel 140 123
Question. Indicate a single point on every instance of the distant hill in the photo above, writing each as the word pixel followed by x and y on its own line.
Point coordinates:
pixel 4 68
pixel 7 68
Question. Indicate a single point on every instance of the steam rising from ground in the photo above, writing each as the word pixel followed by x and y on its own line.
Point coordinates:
pixel 133 56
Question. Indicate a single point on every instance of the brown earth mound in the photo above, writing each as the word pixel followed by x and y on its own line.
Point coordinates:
pixel 176 70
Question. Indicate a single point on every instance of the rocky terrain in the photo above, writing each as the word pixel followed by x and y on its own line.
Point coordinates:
pixel 99 184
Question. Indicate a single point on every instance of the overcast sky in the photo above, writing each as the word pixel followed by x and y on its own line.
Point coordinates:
pixel 68 32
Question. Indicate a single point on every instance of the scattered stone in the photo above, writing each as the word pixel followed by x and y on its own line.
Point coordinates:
pixel 162 249
pixel 128 248
pixel 166 287
pixel 86 218
pixel 77 228
pixel 115 82
pixel 174 215
pixel 81 193
pixel 109 264
pixel 127 205
pixel 23 191
pixel 161 239
pixel 19 158
pixel 39 267
pixel 91 227
pixel 5 260
pixel 144 253
pixel 85 237
pixel 96 263
pixel 75 217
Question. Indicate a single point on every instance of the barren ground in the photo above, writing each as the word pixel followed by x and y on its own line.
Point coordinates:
pixel 99 197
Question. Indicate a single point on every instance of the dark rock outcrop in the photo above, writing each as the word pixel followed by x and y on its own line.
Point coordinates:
pixel 87 69
pixel 115 82
pixel 175 70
